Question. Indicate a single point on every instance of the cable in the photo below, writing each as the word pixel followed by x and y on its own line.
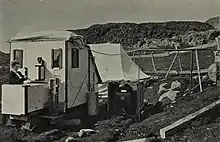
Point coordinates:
pixel 103 53
pixel 115 53
pixel 112 53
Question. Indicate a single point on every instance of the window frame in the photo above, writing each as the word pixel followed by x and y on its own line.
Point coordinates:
pixel 60 62
pixel 22 57
pixel 75 58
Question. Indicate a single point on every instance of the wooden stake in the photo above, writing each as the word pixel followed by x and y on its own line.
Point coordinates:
pixel 179 58
pixel 198 70
pixel 171 65
pixel 191 71
pixel 153 62
pixel 218 44
pixel 140 99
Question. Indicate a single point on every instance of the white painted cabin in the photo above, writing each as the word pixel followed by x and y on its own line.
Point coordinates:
pixel 65 55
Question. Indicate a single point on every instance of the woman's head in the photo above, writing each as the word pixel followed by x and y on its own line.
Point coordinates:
pixel 15 65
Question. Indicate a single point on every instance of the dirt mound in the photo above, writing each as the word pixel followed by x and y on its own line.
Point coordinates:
pixel 130 34
pixel 172 112
pixel 109 130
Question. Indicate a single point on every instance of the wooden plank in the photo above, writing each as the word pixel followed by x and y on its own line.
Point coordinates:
pixel 153 62
pixel 202 71
pixel 191 71
pixel 200 47
pixel 198 69
pixel 137 140
pixel 179 58
pixel 218 44
pixel 150 139
pixel 171 65
pixel 174 127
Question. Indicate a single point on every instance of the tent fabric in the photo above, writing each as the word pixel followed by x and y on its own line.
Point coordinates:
pixel 117 65
pixel 61 35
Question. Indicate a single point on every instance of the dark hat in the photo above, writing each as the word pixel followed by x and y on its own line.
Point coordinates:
pixel 14 62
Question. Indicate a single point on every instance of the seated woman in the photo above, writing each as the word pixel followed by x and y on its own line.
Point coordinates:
pixel 15 76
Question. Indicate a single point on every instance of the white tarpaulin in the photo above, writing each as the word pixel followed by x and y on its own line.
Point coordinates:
pixel 114 64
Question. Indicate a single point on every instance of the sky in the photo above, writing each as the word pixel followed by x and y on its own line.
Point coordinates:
pixel 34 15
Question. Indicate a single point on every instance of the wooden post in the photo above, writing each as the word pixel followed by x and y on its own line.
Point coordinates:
pixel 140 99
pixel 112 89
pixel 218 44
pixel 89 62
pixel 51 93
pixel 57 96
pixel 92 103
pixel 191 71
pixel 179 59
pixel 198 70
pixel 217 56
pixel 171 65
pixel 153 62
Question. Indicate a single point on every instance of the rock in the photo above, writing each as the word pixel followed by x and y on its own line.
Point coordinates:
pixel 84 132
pixel 175 85
pixel 162 89
pixel 170 94
pixel 71 139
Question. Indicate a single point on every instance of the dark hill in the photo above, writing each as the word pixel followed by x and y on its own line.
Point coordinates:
pixel 215 21
pixel 131 33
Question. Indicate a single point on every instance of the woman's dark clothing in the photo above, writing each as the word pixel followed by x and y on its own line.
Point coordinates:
pixel 15 79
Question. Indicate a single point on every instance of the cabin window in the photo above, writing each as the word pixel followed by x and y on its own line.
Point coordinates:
pixel 75 57
pixel 56 58
pixel 18 56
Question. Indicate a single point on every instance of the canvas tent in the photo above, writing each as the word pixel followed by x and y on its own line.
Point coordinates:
pixel 114 64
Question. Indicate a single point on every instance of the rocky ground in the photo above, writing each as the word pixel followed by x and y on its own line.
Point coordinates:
pixel 120 128
pixel 123 127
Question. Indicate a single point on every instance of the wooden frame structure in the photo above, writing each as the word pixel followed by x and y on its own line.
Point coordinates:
pixel 177 52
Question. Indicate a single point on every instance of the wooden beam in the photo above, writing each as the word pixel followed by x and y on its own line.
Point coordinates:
pixel 200 47
pixel 136 140
pixel 198 69
pixel 191 71
pixel 170 129
pixel 218 44
pixel 202 71
pixel 179 59
pixel 153 62
pixel 171 65
pixel 142 140
pixel 158 55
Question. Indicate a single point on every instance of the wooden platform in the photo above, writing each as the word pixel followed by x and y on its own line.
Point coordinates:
pixel 171 129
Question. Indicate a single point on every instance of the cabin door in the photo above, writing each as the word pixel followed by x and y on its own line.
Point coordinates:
pixel 77 75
